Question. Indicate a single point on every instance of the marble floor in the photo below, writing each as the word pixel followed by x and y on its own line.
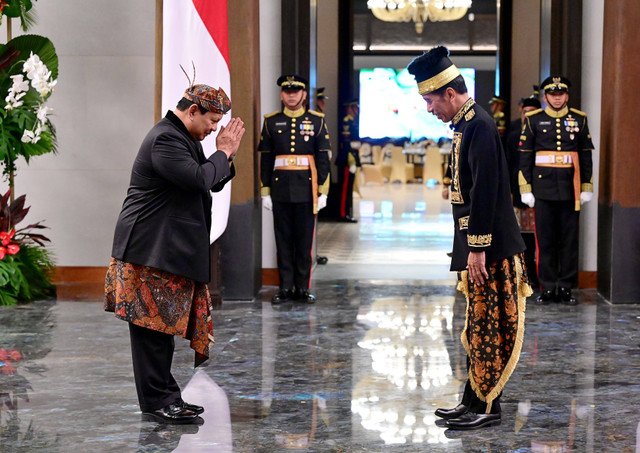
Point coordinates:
pixel 360 371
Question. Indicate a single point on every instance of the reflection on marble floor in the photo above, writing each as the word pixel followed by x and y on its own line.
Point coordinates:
pixel 360 371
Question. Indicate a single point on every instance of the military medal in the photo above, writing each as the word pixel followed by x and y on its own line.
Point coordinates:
pixel 306 129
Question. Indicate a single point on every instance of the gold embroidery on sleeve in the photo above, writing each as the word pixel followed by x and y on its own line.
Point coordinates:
pixel 479 240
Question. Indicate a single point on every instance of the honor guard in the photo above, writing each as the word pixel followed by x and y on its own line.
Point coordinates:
pixel 556 176
pixel 348 159
pixel 294 173
pixel 498 106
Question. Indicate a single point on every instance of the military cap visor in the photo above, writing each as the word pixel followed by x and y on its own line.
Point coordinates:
pixel 497 100
pixel 556 83
pixel 292 82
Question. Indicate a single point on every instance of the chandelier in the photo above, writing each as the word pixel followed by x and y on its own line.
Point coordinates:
pixel 418 11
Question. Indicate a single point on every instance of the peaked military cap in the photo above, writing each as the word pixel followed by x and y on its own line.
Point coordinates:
pixel 497 100
pixel 320 94
pixel 292 82
pixel 556 83
pixel 530 102
pixel 351 102
pixel 433 70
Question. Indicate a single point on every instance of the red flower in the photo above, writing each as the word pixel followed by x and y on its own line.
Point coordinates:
pixel 3 252
pixel 2 5
pixel 15 355
pixel 5 237
pixel 3 354
pixel 12 249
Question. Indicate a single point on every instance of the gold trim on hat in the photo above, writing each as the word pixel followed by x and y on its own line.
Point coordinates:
pixel 290 83
pixel 439 80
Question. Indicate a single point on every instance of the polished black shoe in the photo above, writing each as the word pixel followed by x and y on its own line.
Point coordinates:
pixel 546 297
pixel 470 421
pixel 456 412
pixel 192 407
pixel 349 219
pixel 306 297
pixel 173 414
pixel 281 296
pixel 566 297
pixel 322 259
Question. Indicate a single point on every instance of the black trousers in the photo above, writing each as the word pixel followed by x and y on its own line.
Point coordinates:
pixel 152 354
pixel 294 224
pixel 345 182
pixel 557 228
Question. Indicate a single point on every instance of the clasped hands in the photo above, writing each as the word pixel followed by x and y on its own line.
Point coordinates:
pixel 228 139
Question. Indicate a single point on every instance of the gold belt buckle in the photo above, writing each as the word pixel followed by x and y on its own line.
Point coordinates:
pixel 560 159
pixel 292 161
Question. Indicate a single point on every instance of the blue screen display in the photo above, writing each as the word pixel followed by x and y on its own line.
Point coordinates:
pixel 390 106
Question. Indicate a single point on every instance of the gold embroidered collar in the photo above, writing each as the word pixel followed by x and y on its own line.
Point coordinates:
pixel 556 113
pixel 294 114
pixel 463 110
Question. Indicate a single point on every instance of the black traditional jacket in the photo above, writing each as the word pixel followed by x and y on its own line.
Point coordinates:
pixel 299 133
pixel 166 216
pixel 546 167
pixel 480 191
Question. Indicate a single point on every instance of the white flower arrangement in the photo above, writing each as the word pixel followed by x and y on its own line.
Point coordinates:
pixel 38 77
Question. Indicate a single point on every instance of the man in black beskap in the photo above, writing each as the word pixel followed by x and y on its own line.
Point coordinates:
pixel 487 247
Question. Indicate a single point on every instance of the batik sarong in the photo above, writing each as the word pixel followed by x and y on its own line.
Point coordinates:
pixel 161 301
pixel 494 327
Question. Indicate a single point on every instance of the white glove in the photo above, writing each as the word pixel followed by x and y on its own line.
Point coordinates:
pixel 585 197
pixel 352 169
pixel 528 199
pixel 322 201
pixel 267 203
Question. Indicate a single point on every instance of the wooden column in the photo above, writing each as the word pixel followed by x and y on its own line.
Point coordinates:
pixel 619 197
pixel 241 243
pixel 561 43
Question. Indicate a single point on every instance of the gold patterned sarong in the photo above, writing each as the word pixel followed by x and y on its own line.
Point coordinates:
pixel 494 327
pixel 161 301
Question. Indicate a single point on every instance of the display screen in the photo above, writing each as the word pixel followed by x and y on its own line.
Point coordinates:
pixel 390 106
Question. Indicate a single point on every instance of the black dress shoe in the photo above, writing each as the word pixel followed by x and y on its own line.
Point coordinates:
pixel 192 407
pixel 281 297
pixel 546 297
pixel 322 260
pixel 456 412
pixel 474 421
pixel 173 414
pixel 566 297
pixel 349 219
pixel 306 297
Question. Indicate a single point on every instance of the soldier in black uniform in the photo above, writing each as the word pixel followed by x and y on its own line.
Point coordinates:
pixel 348 160
pixel 294 171
pixel 497 105
pixel 556 175
pixel 487 248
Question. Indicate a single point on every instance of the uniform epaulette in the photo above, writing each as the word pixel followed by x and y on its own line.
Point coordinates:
pixel 313 112
pixel 269 115
pixel 533 112
pixel 579 112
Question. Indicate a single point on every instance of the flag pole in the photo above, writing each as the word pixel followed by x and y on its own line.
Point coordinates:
pixel 157 106
pixel 11 175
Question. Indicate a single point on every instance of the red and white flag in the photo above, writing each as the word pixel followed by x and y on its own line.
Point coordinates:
pixel 196 31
